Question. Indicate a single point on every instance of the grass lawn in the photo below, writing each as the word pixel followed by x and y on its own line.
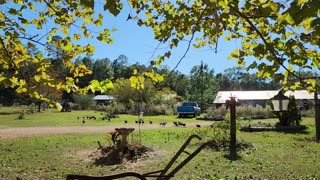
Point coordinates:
pixel 52 117
pixel 276 155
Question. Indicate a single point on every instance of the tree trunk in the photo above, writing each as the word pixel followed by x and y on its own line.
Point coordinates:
pixel 39 106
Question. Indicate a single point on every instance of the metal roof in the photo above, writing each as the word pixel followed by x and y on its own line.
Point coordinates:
pixel 222 96
pixel 102 97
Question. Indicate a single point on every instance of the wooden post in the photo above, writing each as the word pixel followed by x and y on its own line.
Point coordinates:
pixel 317 115
pixel 232 103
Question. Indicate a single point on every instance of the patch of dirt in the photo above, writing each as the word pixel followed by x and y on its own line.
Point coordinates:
pixel 99 158
pixel 11 133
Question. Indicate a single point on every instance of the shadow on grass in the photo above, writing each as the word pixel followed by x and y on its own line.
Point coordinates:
pixel 107 156
pixel 9 113
pixel 108 159
pixel 242 147
pixel 297 129
pixel 307 139
pixel 232 157
pixel 185 117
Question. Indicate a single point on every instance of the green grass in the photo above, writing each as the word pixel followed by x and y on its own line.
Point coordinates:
pixel 276 155
pixel 51 117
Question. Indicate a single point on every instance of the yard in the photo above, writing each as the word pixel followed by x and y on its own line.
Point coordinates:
pixel 274 155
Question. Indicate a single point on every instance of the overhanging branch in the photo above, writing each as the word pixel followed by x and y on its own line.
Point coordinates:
pixel 269 47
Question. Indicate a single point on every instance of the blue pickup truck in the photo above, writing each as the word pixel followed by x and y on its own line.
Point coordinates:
pixel 189 108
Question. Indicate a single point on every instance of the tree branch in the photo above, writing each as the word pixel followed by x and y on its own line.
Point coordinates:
pixel 190 41
pixel 269 47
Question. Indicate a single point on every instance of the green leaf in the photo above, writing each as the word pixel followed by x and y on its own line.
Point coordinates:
pixel 114 6
pixel 31 6
pixel 87 3
pixel 37 78
pixel 12 11
pixel 69 80
pixel 58 106
pixel 286 17
pixel 67 46
pixel 39 55
pixel 76 37
pixel 106 85
pixel 30 45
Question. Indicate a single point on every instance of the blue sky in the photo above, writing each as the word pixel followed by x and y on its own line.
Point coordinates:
pixel 138 44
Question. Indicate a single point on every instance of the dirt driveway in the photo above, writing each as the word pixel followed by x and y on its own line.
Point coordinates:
pixel 9 133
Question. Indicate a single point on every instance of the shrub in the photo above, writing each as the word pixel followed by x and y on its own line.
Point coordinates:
pixel 245 110
pixel 221 111
pixel 21 115
pixel 308 113
pixel 84 101
pixel 75 106
pixel 157 110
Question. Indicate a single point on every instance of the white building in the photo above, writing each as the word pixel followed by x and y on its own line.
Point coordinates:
pixel 103 99
pixel 258 97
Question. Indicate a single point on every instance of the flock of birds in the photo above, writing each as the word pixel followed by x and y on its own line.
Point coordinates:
pixel 84 118
pixel 140 121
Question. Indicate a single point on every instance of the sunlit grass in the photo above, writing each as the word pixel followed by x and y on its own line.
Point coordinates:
pixel 276 155
pixel 52 117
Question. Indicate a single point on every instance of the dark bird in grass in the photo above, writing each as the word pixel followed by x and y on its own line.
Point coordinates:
pixel 163 123
pixel 126 121
pixel 150 122
pixel 109 119
pixel 137 122
pixel 78 117
pixel 211 125
pixel 181 124
pixel 141 121
pixel 83 121
pixel 198 125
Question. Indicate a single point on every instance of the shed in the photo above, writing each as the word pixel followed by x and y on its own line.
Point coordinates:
pixel 103 99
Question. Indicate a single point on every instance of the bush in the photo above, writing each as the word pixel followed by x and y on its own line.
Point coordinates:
pixel 158 110
pixel 21 115
pixel 213 112
pixel 308 113
pixel 246 111
pixel 84 101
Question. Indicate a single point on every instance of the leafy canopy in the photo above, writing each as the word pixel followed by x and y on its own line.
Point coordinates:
pixel 46 20
pixel 277 34
pixel 280 36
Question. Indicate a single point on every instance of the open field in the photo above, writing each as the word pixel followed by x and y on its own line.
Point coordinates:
pixel 51 117
pixel 276 155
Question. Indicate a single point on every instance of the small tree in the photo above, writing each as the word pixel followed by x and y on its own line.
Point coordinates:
pixel 294 116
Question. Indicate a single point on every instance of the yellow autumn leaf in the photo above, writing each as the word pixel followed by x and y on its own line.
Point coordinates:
pixel 58 106
pixel 37 78
pixel 76 37
pixel 65 30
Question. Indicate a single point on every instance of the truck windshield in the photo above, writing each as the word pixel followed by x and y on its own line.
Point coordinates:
pixel 189 104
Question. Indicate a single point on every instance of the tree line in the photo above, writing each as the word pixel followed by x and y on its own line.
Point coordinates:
pixel 200 85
